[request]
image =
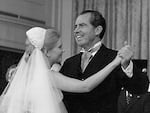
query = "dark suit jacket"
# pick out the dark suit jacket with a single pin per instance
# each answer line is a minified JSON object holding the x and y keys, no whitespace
{"x":138,"y":103}
{"x":103,"y":99}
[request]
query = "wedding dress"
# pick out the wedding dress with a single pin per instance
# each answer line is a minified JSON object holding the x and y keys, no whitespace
{"x":32,"y":88}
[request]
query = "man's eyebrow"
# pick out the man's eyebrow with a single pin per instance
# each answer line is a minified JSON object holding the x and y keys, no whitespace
{"x":81,"y":24}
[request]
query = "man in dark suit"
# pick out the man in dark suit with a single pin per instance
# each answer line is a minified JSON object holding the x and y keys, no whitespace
{"x":89,"y":30}
{"x":135,"y":104}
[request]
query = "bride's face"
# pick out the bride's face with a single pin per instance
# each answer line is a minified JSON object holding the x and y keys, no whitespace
{"x":55,"y":54}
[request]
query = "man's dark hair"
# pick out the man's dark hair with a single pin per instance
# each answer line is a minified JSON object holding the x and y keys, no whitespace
{"x":96,"y":20}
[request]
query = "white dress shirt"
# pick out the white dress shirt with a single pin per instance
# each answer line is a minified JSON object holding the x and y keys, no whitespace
{"x":128,"y":70}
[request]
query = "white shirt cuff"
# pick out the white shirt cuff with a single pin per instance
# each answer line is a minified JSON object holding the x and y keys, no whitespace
{"x":129,"y":70}
{"x":149,"y":88}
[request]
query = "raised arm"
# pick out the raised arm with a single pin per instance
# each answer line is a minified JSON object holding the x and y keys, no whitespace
{"x":74,"y":85}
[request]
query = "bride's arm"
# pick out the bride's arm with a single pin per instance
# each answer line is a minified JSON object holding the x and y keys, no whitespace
{"x":74,"y":85}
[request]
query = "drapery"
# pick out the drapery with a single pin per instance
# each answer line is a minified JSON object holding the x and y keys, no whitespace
{"x":127,"y":20}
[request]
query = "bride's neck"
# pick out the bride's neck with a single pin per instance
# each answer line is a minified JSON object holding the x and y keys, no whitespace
{"x":49,"y":63}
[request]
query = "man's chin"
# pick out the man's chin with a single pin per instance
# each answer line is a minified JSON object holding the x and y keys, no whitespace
{"x":81,"y":44}
{"x":59,"y":61}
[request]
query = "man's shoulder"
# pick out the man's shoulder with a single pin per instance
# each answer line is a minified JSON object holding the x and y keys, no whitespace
{"x":74,"y":57}
{"x":106,"y":50}
{"x":70,"y":64}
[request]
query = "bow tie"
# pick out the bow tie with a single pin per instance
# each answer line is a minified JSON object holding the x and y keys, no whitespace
{"x":91,"y":50}
{"x":87,"y":56}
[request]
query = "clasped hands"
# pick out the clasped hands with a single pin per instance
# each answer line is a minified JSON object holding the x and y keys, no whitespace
{"x":124,"y":55}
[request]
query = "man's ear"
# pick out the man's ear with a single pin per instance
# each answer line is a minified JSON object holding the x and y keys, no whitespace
{"x":98,"y":30}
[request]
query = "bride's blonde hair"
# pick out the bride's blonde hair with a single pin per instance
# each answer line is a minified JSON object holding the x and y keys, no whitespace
{"x":51,"y":38}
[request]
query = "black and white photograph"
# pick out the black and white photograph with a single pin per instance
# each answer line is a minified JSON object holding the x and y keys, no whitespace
{"x":74,"y":56}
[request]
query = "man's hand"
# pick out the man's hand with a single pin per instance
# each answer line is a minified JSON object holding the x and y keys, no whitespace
{"x":11,"y":70}
{"x":56,"y":67}
{"x":126,"y":54}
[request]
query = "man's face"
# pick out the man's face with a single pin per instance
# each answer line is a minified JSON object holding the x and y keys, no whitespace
{"x":84,"y":32}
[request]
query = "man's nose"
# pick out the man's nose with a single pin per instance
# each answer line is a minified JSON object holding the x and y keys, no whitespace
{"x":62,"y":50}
{"x":77,"y":29}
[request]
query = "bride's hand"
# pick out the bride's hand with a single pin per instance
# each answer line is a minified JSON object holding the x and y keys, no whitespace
{"x":126,"y":53}
{"x":117,"y":60}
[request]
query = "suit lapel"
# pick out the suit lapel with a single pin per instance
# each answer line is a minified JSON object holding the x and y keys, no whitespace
{"x":78,"y":62}
{"x":97,"y":61}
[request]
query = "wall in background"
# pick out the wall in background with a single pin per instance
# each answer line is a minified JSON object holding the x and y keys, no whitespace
{"x":59,"y":15}
{"x":16,"y":16}
{"x":30,"y":8}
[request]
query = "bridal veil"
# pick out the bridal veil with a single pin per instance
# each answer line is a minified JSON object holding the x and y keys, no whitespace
{"x":32,"y":88}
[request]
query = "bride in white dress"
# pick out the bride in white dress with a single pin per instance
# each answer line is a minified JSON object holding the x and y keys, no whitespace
{"x":34,"y":88}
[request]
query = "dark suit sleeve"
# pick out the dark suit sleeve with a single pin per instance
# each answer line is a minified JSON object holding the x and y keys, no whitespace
{"x":137,"y":84}
{"x":147,"y":103}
